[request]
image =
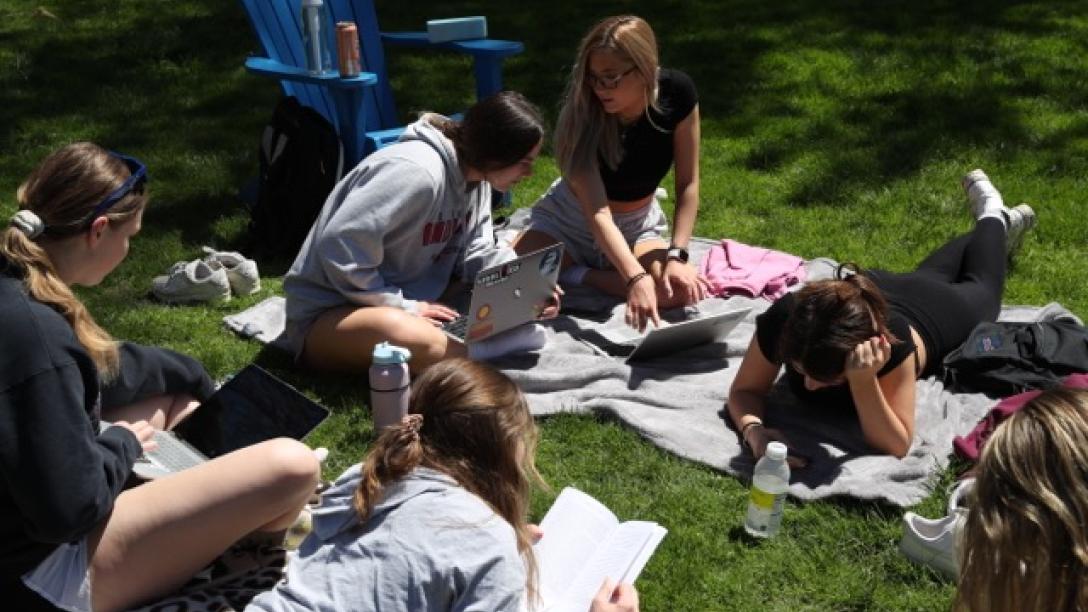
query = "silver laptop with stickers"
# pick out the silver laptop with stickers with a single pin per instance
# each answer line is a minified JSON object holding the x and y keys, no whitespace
{"x":508,"y":295}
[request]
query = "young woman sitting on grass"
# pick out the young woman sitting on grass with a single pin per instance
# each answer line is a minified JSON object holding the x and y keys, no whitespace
{"x":625,"y":122}
{"x":863,"y":339}
{"x":434,"y":517}
{"x":1024,"y":545}
{"x":397,"y":228}
{"x":71,"y":537}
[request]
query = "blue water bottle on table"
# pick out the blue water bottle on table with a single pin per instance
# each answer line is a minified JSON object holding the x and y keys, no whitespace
{"x":389,"y":385}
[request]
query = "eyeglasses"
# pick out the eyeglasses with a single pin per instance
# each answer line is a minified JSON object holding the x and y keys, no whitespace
{"x":138,"y":175}
{"x":607,"y":82}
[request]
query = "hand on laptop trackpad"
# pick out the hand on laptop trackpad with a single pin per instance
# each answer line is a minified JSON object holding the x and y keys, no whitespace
{"x":627,"y":335}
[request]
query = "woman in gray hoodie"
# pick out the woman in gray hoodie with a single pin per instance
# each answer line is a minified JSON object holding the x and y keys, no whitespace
{"x":398,"y":227}
{"x":434,"y":519}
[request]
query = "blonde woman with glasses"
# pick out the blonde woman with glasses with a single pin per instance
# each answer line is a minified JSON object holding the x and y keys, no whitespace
{"x":1025,"y":543}
{"x":624,"y":124}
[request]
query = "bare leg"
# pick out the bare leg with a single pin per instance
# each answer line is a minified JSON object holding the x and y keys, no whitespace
{"x":344,"y":338}
{"x":164,"y":531}
{"x":651,"y":254}
{"x":532,"y":240}
{"x":162,"y":411}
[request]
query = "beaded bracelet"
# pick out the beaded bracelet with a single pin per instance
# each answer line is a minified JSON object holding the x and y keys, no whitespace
{"x":636,"y":278}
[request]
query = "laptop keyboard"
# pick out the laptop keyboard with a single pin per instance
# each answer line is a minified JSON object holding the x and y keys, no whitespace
{"x":457,"y":327}
{"x":171,"y":454}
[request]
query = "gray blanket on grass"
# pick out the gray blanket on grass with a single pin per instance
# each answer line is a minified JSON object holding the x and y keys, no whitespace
{"x":677,"y":402}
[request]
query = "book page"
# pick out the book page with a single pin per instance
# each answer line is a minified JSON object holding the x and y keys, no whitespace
{"x":657,"y":533}
{"x":574,"y":527}
{"x":621,"y":558}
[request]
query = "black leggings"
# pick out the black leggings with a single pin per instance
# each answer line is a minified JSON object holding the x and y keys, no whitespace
{"x":954,"y":289}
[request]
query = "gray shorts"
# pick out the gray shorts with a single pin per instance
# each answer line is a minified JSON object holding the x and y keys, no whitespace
{"x":64,"y":577}
{"x":558,"y":214}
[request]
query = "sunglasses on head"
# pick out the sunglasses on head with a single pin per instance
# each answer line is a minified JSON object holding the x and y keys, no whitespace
{"x":138,"y":175}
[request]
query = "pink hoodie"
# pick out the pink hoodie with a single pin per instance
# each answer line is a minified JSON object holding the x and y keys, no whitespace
{"x":734,"y":267}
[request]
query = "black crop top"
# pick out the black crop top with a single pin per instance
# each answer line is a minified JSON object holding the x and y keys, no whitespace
{"x":648,"y":150}
{"x":769,"y":331}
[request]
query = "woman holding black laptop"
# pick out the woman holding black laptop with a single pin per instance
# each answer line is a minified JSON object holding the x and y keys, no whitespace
{"x":71,"y":536}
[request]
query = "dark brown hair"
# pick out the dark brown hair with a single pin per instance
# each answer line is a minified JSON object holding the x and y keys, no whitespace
{"x":497,"y":132}
{"x":829,"y":319}
{"x":476,"y":427}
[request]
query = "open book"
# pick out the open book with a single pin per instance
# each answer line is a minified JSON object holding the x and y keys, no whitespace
{"x":583,"y":544}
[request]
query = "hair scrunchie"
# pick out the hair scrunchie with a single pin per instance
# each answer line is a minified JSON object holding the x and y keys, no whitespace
{"x":29,"y":223}
{"x":412,"y":422}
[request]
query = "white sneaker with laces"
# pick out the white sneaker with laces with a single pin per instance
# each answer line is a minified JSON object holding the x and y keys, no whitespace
{"x":193,"y":281}
{"x":1021,"y":219}
{"x":933,"y":542}
{"x":241,"y":272}
{"x":985,"y":199}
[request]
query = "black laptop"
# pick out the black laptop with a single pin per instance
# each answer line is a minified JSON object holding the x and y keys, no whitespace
{"x":251,"y":407}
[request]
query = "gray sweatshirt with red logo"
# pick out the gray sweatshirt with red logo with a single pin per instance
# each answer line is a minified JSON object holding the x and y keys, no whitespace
{"x":393,"y":231}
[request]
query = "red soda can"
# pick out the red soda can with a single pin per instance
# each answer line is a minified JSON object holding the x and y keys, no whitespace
{"x":347,"y":48}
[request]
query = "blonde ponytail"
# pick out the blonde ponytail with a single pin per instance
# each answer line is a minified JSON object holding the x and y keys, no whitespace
{"x":45,"y":286}
{"x":63,"y":192}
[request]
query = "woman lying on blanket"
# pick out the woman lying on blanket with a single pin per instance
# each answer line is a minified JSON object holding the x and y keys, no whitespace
{"x":865,"y":338}
{"x":625,"y":121}
{"x":1024,"y":545}
{"x":434,"y":517}
{"x":395,"y":230}
{"x":71,"y":537}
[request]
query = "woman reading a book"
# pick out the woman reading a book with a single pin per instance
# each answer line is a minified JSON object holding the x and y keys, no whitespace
{"x":863,"y":339}
{"x":434,"y":518}
{"x":72,"y":536}
{"x":1024,"y":544}
{"x":398,"y":227}
{"x":625,"y":122}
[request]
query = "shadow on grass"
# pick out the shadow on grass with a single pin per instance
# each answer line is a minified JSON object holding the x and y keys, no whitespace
{"x":173,"y":79}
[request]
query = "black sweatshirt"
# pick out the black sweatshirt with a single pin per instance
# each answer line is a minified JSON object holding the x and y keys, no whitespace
{"x":60,"y":475}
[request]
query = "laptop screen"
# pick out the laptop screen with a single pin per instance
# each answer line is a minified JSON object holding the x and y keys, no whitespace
{"x":251,"y":407}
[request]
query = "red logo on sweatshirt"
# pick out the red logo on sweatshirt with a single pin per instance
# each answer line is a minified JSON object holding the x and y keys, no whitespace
{"x":436,"y":232}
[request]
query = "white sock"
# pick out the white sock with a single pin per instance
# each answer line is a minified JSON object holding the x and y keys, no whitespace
{"x":1000,"y":214}
{"x":573,"y":274}
{"x":528,"y":337}
{"x":984,"y":192}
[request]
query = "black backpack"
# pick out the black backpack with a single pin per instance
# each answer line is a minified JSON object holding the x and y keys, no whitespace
{"x":301,"y":160}
{"x":1001,"y":359}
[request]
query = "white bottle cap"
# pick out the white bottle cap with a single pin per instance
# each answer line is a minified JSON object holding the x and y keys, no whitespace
{"x":776,"y":451}
{"x":307,"y":3}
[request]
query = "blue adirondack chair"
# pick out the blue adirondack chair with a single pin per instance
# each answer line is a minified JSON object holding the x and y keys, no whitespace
{"x":360,"y":107}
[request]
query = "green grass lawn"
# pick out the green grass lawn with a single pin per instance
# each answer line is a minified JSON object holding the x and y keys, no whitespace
{"x":829,"y":128}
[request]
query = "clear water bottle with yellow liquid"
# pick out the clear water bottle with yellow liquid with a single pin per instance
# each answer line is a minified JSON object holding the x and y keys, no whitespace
{"x":767,"y":500}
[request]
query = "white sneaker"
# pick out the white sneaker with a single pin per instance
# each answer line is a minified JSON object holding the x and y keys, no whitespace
{"x":528,"y":337}
{"x":985,"y":199}
{"x":957,"y":499}
{"x":241,"y":272}
{"x":193,"y":281}
{"x":933,"y":542}
{"x":1021,"y":218}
